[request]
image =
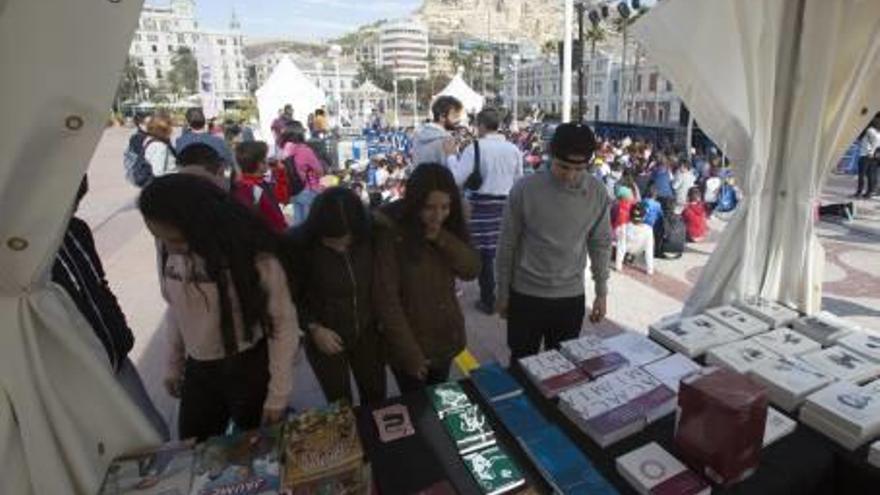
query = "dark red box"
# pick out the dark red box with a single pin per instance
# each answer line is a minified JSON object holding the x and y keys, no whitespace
{"x":720,"y":426}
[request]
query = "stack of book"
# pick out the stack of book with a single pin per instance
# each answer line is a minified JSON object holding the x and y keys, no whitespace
{"x":552,"y":373}
{"x":789,"y":381}
{"x":867,"y":344}
{"x":592,"y":356}
{"x":562,"y":464}
{"x":494,"y":382}
{"x":847,"y":413}
{"x":787,"y":342}
{"x":247,"y":463}
{"x":778,"y":425}
{"x":740,"y":356}
{"x":671,"y":370}
{"x":617,"y":405}
{"x":323,"y":453}
{"x":739,"y":320}
{"x":771,"y":312}
{"x":653,"y":471}
{"x":843,"y":364}
{"x":824,"y":328}
{"x":448,"y":398}
{"x":494,"y":471}
{"x":874,"y":454}
{"x":469,"y":429}
{"x":638,"y":350}
{"x":693,"y":336}
{"x":166,"y":470}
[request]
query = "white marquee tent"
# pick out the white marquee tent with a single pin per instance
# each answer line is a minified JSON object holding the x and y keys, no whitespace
{"x":472,"y":101}
{"x":287,"y":85}
{"x":785,"y":86}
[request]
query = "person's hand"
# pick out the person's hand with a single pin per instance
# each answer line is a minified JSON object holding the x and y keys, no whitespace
{"x":173,"y":386}
{"x":272,"y":416}
{"x":600,"y":307}
{"x":501,"y":309}
{"x":450,"y":147}
{"x":327,"y":341}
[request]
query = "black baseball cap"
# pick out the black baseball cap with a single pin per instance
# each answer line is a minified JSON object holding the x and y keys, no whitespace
{"x":571,"y":142}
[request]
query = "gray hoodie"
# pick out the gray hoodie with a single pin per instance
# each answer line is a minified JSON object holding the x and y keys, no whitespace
{"x":428,"y":144}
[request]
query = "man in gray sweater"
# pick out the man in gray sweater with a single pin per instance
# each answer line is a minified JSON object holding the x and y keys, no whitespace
{"x":429,"y":138}
{"x":552,"y":221}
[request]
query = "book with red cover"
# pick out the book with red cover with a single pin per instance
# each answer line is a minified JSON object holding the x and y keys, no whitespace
{"x":720,"y":427}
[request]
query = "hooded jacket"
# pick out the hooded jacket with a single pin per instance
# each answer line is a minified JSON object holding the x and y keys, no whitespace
{"x":428,"y":144}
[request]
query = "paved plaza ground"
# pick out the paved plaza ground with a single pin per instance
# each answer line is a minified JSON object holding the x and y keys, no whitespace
{"x":851,"y":286}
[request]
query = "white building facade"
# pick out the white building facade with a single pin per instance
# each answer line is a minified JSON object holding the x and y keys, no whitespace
{"x":162,"y":30}
{"x":403,"y":48}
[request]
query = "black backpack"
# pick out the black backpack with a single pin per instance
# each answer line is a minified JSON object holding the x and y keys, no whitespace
{"x":137,"y":169}
{"x":475,"y":180}
{"x":295,"y":184}
{"x":674,"y":236}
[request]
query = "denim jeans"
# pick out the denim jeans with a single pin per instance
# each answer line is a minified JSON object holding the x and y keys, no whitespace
{"x":302,"y":203}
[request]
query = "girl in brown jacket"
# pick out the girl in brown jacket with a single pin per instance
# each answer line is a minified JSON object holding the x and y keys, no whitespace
{"x":419,"y":255}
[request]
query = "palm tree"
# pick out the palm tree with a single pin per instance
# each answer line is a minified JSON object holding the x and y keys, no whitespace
{"x":595,"y":35}
{"x":621,"y":25}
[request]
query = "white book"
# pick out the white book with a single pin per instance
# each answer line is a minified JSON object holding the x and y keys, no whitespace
{"x":843,"y":364}
{"x":699,"y":333}
{"x":874,"y":454}
{"x":824,"y":329}
{"x":637,"y":349}
{"x":852,"y":408}
{"x":744,"y":323}
{"x":552,"y":372}
{"x":584,"y":348}
{"x":787,"y":342}
{"x":789,"y":381}
{"x":865,"y":343}
{"x":771,"y":312}
{"x":608,"y":392}
{"x":740,"y":356}
{"x":672,"y":369}
{"x":778,"y":425}
{"x":651,"y":469}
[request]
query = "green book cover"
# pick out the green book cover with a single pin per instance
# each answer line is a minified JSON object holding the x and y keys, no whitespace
{"x":448,"y":397}
{"x":469,"y":429}
{"x":494,"y":471}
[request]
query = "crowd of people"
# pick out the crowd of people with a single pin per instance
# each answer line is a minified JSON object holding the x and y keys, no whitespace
{"x":263,"y":249}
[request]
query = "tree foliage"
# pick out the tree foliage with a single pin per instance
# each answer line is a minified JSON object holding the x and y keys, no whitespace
{"x":183,"y":79}
{"x":380,"y":76}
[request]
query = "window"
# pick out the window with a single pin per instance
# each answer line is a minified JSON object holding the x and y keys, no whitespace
{"x":221,"y":42}
{"x":668,"y":86}
{"x":652,"y":83}
{"x":639,"y":83}
{"x":181,"y":38}
{"x":155,"y":49}
{"x":597,"y":87}
{"x":222,"y":52}
{"x":170,"y":48}
{"x":165,"y":27}
{"x":158,"y":73}
{"x":152,"y":38}
{"x":614,"y":87}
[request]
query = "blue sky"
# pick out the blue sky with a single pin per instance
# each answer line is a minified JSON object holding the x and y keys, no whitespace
{"x":311,"y":20}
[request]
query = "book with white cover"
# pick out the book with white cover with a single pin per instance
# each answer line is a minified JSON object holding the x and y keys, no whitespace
{"x":740,"y":356}
{"x":789,"y":381}
{"x":778,"y":425}
{"x":552,"y":372}
{"x":787,"y":342}
{"x":613,"y":390}
{"x":874,"y":454}
{"x":845,"y":412}
{"x":771,"y":312}
{"x":637,"y":349}
{"x":737,"y":319}
{"x":822,"y":328}
{"x":652,"y":470}
{"x":843,"y":364}
{"x":592,"y":355}
{"x":672,"y":369}
{"x":866,"y":344}
{"x":699,"y":333}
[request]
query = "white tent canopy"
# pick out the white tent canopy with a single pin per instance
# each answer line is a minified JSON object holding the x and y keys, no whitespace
{"x":62,"y":415}
{"x":785,"y":86}
{"x":287,"y":85}
{"x":472,"y":101}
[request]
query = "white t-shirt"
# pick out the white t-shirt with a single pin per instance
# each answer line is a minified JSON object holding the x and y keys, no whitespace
{"x":713,"y":185}
{"x":635,"y":239}
{"x":160,"y":158}
{"x":870,"y":142}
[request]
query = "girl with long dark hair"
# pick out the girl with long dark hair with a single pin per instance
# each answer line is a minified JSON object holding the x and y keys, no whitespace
{"x":423,"y":249}
{"x":335,"y":261}
{"x":232,"y":323}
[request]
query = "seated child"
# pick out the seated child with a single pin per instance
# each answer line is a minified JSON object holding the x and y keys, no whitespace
{"x":634,"y":239}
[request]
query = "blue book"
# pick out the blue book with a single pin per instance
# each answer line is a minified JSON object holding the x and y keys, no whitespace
{"x":494,"y":382}
{"x":563,"y":465}
{"x":520,"y":417}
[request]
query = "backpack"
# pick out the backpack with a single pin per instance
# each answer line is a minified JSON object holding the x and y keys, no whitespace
{"x":726,"y":199}
{"x":475,"y":180}
{"x":137,"y":169}
{"x":674,"y":235}
{"x":295,"y":183}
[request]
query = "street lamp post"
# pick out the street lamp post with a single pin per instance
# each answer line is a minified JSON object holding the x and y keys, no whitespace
{"x":336,"y":53}
{"x":566,"y":61}
{"x":514,"y":122}
{"x":580,"y":11}
{"x":396,"y":104}
{"x":415,"y":103}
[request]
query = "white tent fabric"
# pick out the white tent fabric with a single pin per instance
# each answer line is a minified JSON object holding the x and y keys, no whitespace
{"x":472,"y":101}
{"x":785,"y":85}
{"x":62,"y":415}
{"x":287,"y":85}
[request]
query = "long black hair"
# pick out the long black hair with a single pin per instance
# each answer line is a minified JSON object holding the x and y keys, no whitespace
{"x":425,"y":179}
{"x":227,"y":235}
{"x":335,"y":212}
